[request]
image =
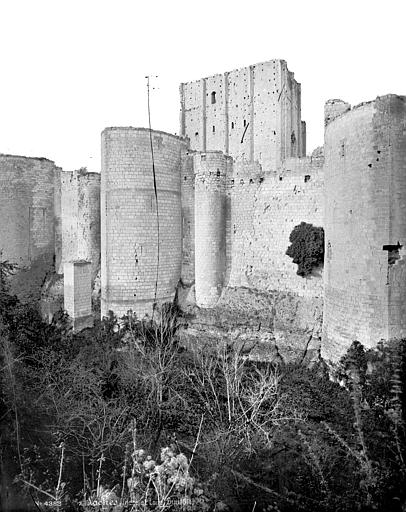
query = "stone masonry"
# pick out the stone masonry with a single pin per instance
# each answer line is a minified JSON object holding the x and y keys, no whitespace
{"x":78,"y":293}
{"x":365,"y":223}
{"x":211,"y":212}
{"x":80,"y":212}
{"x":141,"y":252}
{"x":252,"y":114}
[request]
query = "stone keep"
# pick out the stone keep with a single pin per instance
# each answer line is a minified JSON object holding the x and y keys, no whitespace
{"x":365,"y":226}
{"x":252,"y":114}
{"x":130,"y":233}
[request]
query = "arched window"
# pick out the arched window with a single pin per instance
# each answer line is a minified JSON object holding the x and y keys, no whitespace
{"x":213,"y":97}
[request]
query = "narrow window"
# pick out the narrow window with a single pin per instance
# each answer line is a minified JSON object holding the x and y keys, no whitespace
{"x":214,"y":129}
{"x":342,"y":149}
{"x":245,"y":122}
{"x":213,"y":97}
{"x":329,"y":250}
{"x":232,"y":125}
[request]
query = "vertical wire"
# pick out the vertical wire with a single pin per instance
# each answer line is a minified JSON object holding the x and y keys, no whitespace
{"x":156,"y":198}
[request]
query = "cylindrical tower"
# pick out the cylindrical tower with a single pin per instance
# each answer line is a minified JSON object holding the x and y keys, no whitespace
{"x":129,"y":223}
{"x":27,"y":210}
{"x":210,"y":225}
{"x":81,"y":218}
{"x":365,"y":226}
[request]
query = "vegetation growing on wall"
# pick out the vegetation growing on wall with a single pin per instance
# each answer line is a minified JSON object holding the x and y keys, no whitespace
{"x":307,"y":248}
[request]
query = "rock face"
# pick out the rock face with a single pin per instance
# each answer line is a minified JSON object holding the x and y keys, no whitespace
{"x":269,"y":326}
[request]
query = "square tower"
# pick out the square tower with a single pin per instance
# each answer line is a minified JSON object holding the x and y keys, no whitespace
{"x":252,"y":114}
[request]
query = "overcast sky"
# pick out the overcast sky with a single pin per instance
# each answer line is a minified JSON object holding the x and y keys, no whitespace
{"x":70,"y":68}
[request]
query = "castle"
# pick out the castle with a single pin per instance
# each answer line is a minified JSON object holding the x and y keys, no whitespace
{"x":217,"y":212}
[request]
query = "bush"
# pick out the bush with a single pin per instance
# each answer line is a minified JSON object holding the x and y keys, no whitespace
{"x":77,"y":408}
{"x":307,"y":248}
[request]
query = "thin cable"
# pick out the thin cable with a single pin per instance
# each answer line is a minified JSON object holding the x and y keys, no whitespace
{"x":156,"y":199}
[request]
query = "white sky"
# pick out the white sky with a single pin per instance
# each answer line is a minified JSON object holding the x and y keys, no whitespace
{"x":70,"y":68}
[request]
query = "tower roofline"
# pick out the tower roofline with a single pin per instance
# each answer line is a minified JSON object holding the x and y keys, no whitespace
{"x":237,"y":69}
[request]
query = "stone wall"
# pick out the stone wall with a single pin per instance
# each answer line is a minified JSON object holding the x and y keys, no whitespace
{"x":365,"y":277}
{"x":265,"y":209}
{"x":252,"y":114}
{"x":129,"y":226}
{"x":27,"y":208}
{"x":28,"y":213}
{"x":333,"y":109}
{"x":81,"y":218}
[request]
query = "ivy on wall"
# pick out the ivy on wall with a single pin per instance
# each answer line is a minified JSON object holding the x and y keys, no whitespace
{"x":307,"y":248}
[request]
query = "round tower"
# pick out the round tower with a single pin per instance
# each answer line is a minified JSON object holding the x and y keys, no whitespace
{"x":132,"y":238}
{"x":27,"y":209}
{"x":365,"y":226}
{"x":210,"y":225}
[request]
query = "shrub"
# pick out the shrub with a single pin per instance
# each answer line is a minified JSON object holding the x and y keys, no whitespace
{"x":307,"y":248}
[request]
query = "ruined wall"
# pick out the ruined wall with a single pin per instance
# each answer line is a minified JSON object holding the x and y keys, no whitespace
{"x":27,"y":209}
{"x":129,"y":228}
{"x":211,"y":171}
{"x":365,"y":175}
{"x":27,"y":212}
{"x":80,"y":207}
{"x":333,"y":109}
{"x":265,"y":209}
{"x":252,"y":114}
